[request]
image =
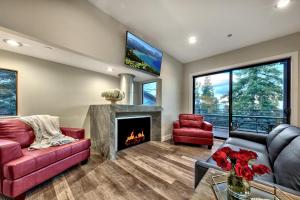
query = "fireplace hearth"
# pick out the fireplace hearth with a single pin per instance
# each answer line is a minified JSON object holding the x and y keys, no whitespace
{"x":132,"y":131}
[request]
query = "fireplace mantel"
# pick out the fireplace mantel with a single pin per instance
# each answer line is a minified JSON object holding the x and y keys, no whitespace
{"x":103,"y":117}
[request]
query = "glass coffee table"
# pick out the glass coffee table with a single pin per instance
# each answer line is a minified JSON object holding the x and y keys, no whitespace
{"x":213,"y":186}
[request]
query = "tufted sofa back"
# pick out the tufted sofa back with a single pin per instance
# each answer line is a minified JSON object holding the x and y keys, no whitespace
{"x":283,"y":145}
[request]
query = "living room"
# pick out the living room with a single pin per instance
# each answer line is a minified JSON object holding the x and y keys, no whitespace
{"x":221,"y":74}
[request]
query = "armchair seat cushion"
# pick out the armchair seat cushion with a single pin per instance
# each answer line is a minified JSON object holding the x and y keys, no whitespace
{"x":192,"y":132}
{"x":37,"y":159}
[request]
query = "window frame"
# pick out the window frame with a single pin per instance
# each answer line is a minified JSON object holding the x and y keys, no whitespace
{"x":286,"y":85}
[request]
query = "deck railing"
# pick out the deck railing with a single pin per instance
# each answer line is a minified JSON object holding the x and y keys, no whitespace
{"x":252,"y":121}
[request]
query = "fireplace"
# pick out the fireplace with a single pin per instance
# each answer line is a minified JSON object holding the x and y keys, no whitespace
{"x":132,"y":131}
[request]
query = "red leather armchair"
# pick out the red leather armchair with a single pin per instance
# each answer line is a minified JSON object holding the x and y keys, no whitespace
{"x":21,"y":170}
{"x":193,"y":129}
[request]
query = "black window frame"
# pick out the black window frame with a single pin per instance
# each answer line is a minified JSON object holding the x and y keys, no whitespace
{"x":286,"y":92}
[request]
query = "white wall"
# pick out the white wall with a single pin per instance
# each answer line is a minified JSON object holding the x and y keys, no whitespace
{"x":288,"y":46}
{"x":81,"y":27}
{"x":50,"y":88}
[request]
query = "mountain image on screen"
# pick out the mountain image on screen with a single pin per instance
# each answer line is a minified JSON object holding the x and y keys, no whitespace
{"x":141,"y":55}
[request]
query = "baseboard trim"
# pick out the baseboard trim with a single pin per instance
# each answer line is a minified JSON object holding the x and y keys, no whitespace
{"x":166,"y":137}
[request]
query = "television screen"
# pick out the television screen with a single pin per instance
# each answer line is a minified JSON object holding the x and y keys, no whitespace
{"x":140,"y":55}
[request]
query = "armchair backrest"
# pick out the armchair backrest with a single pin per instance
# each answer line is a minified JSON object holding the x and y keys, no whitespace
{"x":18,"y":131}
{"x":190,"y":120}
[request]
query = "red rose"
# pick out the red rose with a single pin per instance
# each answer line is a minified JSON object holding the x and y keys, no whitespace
{"x":248,"y":174}
{"x":260,"y":169}
{"x":238,"y":169}
{"x":219,"y":155}
{"x":226,"y":150}
{"x":225,"y":165}
{"x":221,"y":159}
{"x":233,"y":155}
{"x":246,"y":155}
{"x":243,"y":170}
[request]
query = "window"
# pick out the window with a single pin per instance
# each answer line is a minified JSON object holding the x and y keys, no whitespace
{"x":211,"y":101}
{"x":8,"y":92}
{"x":149,"y":93}
{"x":252,"y":98}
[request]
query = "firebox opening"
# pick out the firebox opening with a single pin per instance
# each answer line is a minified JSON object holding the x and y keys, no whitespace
{"x":132,"y":131}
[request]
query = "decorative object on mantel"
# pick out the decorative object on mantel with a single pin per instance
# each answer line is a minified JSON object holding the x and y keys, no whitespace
{"x":241,"y":168}
{"x":113,"y":95}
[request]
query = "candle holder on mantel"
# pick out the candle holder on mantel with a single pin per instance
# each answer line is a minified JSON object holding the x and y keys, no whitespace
{"x":113,"y":95}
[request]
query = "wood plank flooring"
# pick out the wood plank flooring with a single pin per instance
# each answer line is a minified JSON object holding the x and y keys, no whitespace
{"x":153,"y":170}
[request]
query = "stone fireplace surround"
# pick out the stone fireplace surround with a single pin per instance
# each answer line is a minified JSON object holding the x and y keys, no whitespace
{"x":103,"y":124}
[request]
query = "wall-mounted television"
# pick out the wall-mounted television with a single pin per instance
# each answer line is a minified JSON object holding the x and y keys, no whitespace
{"x":142,"y":56}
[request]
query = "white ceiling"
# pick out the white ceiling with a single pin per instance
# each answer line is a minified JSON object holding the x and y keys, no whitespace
{"x":169,"y":23}
{"x":42,"y":50}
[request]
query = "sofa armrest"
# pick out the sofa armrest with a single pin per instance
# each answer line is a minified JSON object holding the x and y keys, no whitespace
{"x":176,"y":124}
{"x":201,"y":168}
{"x":9,"y":150}
{"x":255,"y":137}
{"x":77,"y":133}
{"x":207,"y":126}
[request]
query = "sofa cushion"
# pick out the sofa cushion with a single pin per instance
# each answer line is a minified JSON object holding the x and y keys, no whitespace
{"x":281,"y":140}
{"x":254,"y":146}
{"x":18,"y":131}
{"x":275,"y":132}
{"x":261,"y":159}
{"x":286,"y":166}
{"x":37,"y":159}
{"x":192,"y":132}
{"x":190,"y":120}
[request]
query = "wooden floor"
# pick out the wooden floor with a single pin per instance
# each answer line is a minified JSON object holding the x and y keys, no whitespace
{"x":153,"y":170}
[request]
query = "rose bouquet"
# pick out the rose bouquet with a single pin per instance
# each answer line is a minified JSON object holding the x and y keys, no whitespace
{"x":242,"y":169}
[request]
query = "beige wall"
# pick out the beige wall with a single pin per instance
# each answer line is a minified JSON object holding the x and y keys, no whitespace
{"x":278,"y":48}
{"x":51,"y":88}
{"x":79,"y":26}
{"x":171,"y":93}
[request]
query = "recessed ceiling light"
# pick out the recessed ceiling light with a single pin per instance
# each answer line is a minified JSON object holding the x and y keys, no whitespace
{"x":13,"y":43}
{"x":192,"y":39}
{"x":229,"y":35}
{"x":109,"y":69}
{"x":282,"y":3}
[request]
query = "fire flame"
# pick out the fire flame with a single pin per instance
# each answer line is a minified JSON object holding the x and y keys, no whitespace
{"x":135,"y":139}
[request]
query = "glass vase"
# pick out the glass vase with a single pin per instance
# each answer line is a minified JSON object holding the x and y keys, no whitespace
{"x":238,"y":188}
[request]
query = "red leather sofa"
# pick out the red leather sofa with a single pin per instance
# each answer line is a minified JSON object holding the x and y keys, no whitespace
{"x":21,"y":170}
{"x":193,"y":129}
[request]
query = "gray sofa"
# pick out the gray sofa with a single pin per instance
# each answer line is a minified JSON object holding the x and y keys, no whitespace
{"x":279,"y":150}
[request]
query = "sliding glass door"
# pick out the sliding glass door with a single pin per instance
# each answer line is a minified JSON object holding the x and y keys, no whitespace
{"x":259,"y":97}
{"x":211,"y":100}
{"x":252,"y":98}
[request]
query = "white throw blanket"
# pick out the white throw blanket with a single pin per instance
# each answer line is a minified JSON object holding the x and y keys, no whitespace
{"x":47,"y":132}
